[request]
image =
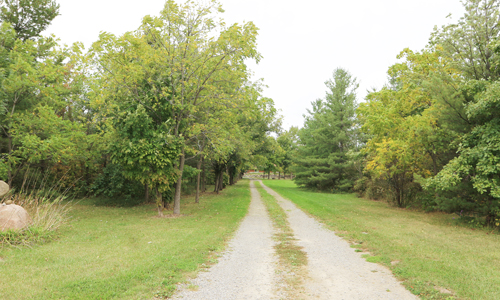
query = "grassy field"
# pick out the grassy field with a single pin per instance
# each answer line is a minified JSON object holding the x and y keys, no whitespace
{"x":123,"y":253}
{"x":427,"y":250}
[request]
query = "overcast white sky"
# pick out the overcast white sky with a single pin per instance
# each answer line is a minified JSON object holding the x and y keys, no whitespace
{"x":302,"y":42}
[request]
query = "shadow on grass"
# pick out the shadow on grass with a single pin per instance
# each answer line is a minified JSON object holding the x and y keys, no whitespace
{"x":128,"y":201}
{"x":112,"y":202}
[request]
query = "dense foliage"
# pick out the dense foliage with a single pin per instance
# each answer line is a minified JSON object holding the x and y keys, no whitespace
{"x":137,"y":115}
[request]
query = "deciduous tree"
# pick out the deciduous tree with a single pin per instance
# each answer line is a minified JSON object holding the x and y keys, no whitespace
{"x":28,"y":17}
{"x":185,"y":68}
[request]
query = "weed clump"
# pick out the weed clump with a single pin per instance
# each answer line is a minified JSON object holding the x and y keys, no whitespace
{"x":48,"y":207}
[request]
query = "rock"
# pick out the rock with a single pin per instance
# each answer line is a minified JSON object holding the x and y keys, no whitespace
{"x":9,"y":202}
{"x":13,"y":217}
{"x":4,"y":188}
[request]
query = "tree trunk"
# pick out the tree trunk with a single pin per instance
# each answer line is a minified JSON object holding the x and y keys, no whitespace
{"x":9,"y":171}
{"x":216,"y":180}
{"x":197,"y":200}
{"x":178,"y":185}
{"x":146,"y":193}
{"x":221,"y":181}
{"x":159,"y":203}
{"x":88,"y":176}
{"x":203,"y":176}
{"x":269,"y":175}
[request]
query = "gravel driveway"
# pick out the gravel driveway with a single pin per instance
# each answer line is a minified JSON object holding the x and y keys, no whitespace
{"x":336,"y":271}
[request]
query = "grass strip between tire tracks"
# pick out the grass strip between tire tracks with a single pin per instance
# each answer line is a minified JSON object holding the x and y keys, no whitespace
{"x":124,"y":253}
{"x":436,"y":258}
{"x":292,"y":259}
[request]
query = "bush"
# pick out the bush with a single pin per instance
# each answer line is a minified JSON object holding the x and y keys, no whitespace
{"x":370,"y":188}
{"x":426,"y":201}
{"x":112,"y":184}
{"x":463,"y":199}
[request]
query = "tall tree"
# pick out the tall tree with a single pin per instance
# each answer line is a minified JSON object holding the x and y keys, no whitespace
{"x":205,"y":61}
{"x":467,"y":42}
{"x":437,"y":126}
{"x":38,"y":79}
{"x":28,"y":17}
{"x":288,"y":143}
{"x":187,"y":60}
{"x":470,"y":181}
{"x":272,"y":155}
{"x":329,"y":132}
{"x":413,"y":127}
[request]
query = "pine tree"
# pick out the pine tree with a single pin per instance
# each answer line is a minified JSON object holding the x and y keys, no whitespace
{"x":329,"y":132}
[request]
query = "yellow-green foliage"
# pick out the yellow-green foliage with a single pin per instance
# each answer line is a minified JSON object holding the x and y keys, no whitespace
{"x":409,"y":123}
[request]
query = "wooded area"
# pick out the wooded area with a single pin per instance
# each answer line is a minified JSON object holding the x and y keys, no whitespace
{"x":430,"y":138}
{"x":171,"y":103}
{"x":137,"y":114}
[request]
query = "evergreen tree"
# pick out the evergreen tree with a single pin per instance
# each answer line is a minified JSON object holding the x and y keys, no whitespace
{"x":329,"y":132}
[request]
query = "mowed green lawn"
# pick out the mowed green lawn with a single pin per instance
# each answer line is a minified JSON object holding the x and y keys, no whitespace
{"x":123,"y":253}
{"x":432,"y":250}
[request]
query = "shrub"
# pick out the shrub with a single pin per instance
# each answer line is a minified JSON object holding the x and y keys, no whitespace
{"x":111,"y":183}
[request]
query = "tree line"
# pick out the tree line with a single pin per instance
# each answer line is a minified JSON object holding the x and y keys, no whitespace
{"x":140,"y":114}
{"x":430,"y":138}
{"x":171,"y":105}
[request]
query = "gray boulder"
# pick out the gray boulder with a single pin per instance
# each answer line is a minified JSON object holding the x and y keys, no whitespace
{"x":13,"y":217}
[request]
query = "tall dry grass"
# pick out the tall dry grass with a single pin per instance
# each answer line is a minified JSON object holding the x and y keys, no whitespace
{"x":48,"y":204}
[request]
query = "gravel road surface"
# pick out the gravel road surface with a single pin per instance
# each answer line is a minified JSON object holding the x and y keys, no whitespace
{"x":336,"y":271}
{"x":247,"y":270}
